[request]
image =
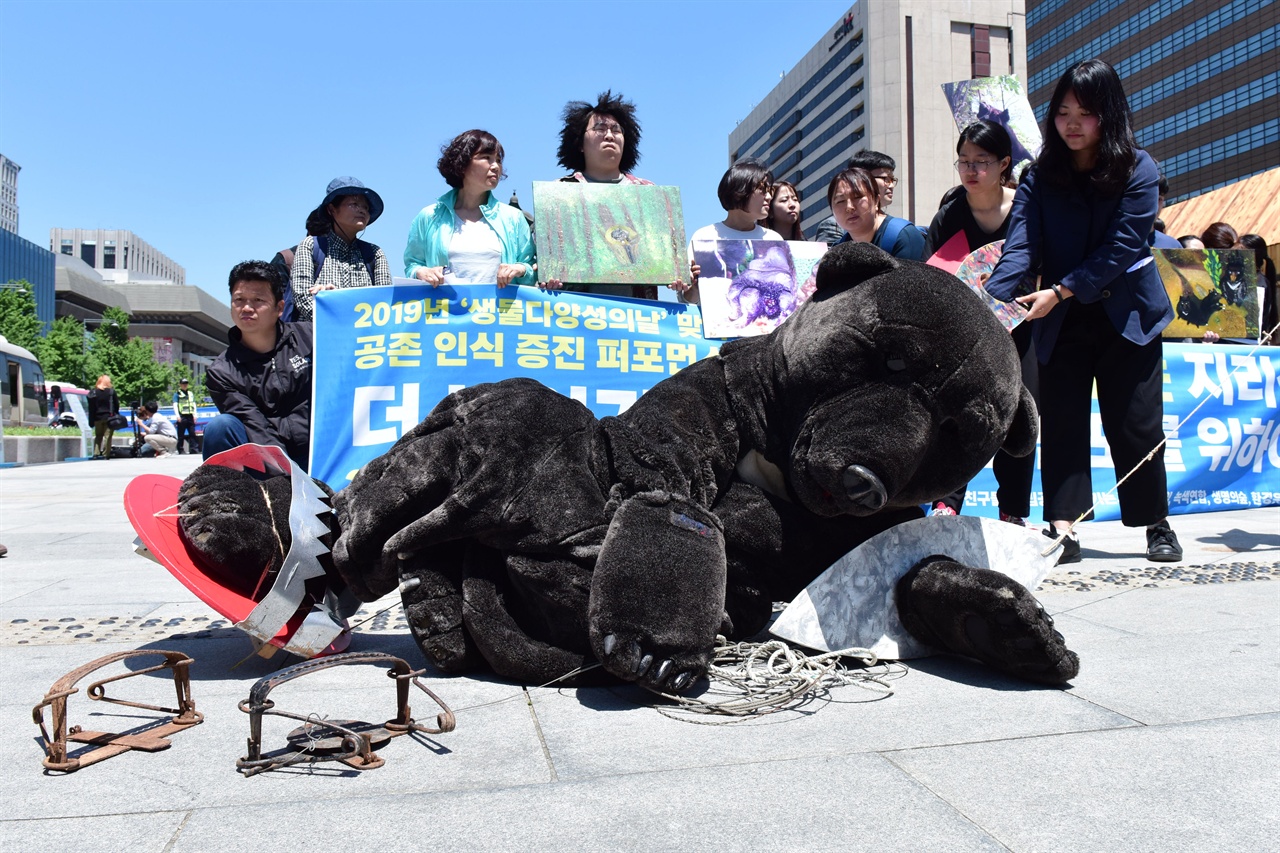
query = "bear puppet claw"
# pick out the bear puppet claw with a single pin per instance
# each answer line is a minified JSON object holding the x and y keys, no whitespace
{"x":658,"y":592}
{"x":983,"y":614}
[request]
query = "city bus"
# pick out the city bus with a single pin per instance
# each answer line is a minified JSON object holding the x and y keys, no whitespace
{"x":23,"y":400}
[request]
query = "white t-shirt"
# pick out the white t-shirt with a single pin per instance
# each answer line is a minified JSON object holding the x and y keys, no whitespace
{"x":720,"y":231}
{"x":474,"y":254}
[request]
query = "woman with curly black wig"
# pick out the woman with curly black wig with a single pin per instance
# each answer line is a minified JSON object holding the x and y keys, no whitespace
{"x":1079,"y":225}
{"x":467,"y":236}
{"x":600,"y":142}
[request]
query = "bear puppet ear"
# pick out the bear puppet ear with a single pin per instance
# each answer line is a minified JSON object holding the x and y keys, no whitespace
{"x":1021,"y":439}
{"x":847,"y":264}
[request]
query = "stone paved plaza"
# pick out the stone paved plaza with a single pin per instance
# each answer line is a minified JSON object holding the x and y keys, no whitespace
{"x":1168,"y":740}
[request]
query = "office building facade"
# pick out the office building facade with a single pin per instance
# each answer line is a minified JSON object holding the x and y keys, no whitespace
{"x":1202,"y":77}
{"x":120,"y":257}
{"x":875,"y":81}
{"x":9,"y":194}
{"x":21,"y":260}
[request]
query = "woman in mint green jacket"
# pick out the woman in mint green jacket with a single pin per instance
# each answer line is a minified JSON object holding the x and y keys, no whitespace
{"x":467,"y":236}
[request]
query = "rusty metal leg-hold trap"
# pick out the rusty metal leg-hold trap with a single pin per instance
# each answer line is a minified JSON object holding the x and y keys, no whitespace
{"x":150,"y":738}
{"x":349,"y":741}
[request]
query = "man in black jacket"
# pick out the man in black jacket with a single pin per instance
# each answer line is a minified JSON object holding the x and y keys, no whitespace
{"x":262,"y":383}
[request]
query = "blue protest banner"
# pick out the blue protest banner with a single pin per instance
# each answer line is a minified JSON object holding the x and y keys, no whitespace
{"x":384,"y":356}
{"x":1223,"y":455}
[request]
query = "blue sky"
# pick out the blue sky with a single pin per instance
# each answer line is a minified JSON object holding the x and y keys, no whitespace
{"x":211,"y":129}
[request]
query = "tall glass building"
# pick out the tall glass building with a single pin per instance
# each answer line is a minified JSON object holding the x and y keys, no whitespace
{"x":1202,"y":76}
{"x":874,"y":80}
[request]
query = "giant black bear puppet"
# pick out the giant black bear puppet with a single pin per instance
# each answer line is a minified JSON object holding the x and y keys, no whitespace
{"x":542,"y":537}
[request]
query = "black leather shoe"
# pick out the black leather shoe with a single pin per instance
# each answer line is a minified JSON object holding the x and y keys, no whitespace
{"x":1162,"y":544}
{"x":1070,"y":547}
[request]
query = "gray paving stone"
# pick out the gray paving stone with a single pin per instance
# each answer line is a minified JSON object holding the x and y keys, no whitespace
{"x":850,"y":803}
{"x":939,"y":701}
{"x":120,"y":833}
{"x":590,"y":768}
{"x":1209,"y":785}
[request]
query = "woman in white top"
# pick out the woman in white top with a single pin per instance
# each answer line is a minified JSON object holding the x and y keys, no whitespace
{"x":467,"y":236}
{"x":744,"y":194}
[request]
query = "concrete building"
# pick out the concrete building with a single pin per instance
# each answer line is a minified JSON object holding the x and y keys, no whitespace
{"x":9,"y":194}
{"x":120,"y":257}
{"x":874,"y":81}
{"x":182,"y":323}
{"x":1202,"y":77}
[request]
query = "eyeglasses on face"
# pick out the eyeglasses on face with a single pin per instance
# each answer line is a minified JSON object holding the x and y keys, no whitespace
{"x":974,"y":165}
{"x":887,"y":180}
{"x":605,"y":127}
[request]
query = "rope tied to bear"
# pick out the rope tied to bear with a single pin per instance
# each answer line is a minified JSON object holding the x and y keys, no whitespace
{"x":752,"y":679}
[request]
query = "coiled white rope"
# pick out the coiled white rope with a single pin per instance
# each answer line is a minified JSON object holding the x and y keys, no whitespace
{"x":749,"y":680}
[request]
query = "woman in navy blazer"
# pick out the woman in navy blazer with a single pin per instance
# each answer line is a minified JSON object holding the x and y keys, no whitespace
{"x":1078,"y":258}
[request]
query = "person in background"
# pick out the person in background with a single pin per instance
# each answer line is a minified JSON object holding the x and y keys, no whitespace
{"x":854,"y":201}
{"x":103,"y":404}
{"x":981,"y":213}
{"x":881,"y":167}
{"x":1159,"y":239}
{"x":184,"y":409}
{"x":261,"y":384}
{"x":743,"y":191}
{"x":896,"y":236}
{"x":158,"y":432}
{"x":348,"y":208}
{"x":1078,"y":231}
{"x":1219,"y":235}
{"x":784,"y":211}
{"x":1190,"y":241}
{"x":1269,"y":314}
{"x":467,"y":236}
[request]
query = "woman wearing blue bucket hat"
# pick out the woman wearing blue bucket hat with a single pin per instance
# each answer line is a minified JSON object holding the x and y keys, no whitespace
{"x":331,"y":256}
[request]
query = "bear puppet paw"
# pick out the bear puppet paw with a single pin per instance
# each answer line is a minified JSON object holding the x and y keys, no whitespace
{"x":658,"y":592}
{"x":986,"y":615}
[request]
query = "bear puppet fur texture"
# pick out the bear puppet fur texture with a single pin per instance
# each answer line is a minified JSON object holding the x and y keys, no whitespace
{"x":542,"y":538}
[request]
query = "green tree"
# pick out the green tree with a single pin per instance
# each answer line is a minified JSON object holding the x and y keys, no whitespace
{"x":18,"y":320}
{"x":62,"y":352}
{"x":131,"y":364}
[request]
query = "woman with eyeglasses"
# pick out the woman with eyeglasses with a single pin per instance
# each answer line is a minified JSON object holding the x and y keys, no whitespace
{"x":744,"y":194}
{"x":1077,"y":257}
{"x":600,"y":144}
{"x":980,"y":211}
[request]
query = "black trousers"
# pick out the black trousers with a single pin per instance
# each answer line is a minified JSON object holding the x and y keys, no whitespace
{"x":1014,"y":475}
{"x":187,"y":424}
{"x":1129,"y":379}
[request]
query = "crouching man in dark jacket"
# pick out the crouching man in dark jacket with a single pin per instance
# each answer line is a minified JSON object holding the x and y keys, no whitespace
{"x":262,"y":383}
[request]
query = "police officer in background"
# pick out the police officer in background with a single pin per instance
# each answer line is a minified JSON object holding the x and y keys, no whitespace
{"x":184,"y":408}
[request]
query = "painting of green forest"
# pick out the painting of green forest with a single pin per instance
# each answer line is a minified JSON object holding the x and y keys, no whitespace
{"x":609,"y":234}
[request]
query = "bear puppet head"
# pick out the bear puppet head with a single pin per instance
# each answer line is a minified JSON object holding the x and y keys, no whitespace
{"x":890,"y":388}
